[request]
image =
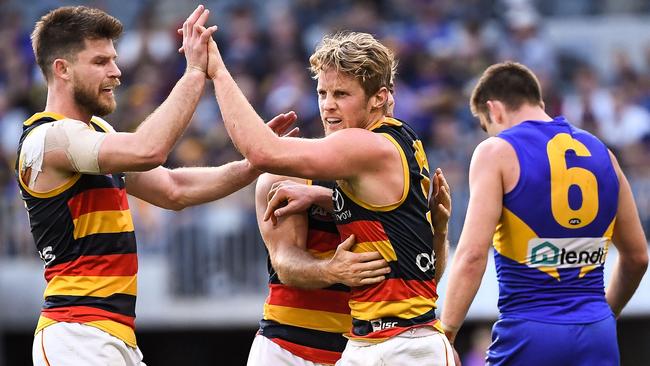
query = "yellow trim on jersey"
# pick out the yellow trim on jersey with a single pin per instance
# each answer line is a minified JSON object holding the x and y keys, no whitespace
{"x":608,"y":235}
{"x":52,"y":192}
{"x":102,"y":222}
{"x":384,"y":248}
{"x":119,"y":330}
{"x":322,"y":255}
{"x":407,"y":309}
{"x":43,"y":323}
{"x":47,"y":194}
{"x":102,"y":124}
{"x":40,"y":115}
{"x":311,"y":319}
{"x":386,"y":121}
{"x":97,"y":286}
{"x":510,"y":239}
{"x":405,"y":190}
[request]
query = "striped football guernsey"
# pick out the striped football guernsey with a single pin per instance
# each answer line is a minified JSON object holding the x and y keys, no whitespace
{"x":310,"y":323}
{"x":556,"y":225}
{"x":403,"y":235}
{"x":84,"y":233}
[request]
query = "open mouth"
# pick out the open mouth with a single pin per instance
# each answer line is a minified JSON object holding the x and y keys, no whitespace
{"x":332,"y":121}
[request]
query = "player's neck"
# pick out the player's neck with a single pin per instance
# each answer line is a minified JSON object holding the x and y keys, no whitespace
{"x":527,"y":113}
{"x":64,"y":104}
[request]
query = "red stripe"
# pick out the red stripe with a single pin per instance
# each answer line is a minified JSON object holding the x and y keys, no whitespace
{"x":316,"y":299}
{"x":47,"y":362}
{"x":85,"y":314}
{"x":99,"y":199}
{"x":363,"y":231}
{"x":395,"y":289}
{"x":308,"y":353}
{"x":322,"y":241}
{"x":96,"y":265}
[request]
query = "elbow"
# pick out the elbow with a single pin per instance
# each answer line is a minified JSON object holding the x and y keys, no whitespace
{"x":260,"y":160}
{"x":154,"y":157}
{"x":176,"y":200}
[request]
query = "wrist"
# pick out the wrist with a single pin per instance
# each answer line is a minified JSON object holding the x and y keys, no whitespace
{"x":195,"y":70}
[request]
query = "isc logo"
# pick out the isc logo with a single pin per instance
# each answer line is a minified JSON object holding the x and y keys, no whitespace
{"x":379,"y":324}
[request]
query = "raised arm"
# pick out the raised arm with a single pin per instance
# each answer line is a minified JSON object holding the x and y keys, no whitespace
{"x":483,"y":212}
{"x":149,"y":145}
{"x":342,"y":155}
{"x":631,"y":243}
{"x":287,"y":245}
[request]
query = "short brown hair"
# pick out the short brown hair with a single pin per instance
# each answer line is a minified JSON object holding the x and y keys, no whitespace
{"x":511,"y":83}
{"x":359,"y":55}
{"x":62,"y":32}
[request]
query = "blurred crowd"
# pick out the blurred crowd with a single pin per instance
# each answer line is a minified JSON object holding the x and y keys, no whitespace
{"x":441,"y":45}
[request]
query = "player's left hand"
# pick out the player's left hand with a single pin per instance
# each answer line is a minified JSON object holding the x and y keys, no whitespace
{"x":288,"y":197}
{"x":281,"y":123}
{"x":439,"y":202}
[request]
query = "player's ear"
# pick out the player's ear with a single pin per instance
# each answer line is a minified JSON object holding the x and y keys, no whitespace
{"x":61,"y":68}
{"x":496,"y":111}
{"x":380,"y":98}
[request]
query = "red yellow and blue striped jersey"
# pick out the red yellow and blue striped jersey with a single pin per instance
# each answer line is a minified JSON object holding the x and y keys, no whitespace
{"x":403,"y":235}
{"x":556,"y":225}
{"x":310,"y":322}
{"x":83,"y":230}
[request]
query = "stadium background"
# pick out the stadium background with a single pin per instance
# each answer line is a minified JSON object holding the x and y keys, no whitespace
{"x":203,"y":270}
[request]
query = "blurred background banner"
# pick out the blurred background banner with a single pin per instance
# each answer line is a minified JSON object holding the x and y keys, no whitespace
{"x":202,"y":278}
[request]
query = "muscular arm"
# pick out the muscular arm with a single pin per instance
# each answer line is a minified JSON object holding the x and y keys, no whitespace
{"x":287,"y":245}
{"x":483,"y":212}
{"x":150,"y":144}
{"x":630,"y":241}
{"x":342,"y":155}
{"x":179,"y":188}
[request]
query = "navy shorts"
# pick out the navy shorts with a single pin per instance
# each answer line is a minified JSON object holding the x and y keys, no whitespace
{"x":529,"y":343}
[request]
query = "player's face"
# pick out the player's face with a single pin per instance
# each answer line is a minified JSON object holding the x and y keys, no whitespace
{"x":95,"y":76}
{"x":342,"y":101}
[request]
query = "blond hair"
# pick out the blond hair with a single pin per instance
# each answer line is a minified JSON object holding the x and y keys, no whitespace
{"x":359,"y":55}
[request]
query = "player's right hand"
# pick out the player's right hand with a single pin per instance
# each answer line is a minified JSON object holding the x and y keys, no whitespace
{"x":196,"y":38}
{"x":357,"y":269}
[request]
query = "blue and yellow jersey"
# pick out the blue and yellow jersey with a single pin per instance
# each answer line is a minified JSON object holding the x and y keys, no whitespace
{"x":556,"y":225}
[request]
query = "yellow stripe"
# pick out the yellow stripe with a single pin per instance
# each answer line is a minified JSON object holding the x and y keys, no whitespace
{"x":40,"y":115}
{"x":43,"y":323}
{"x":383,"y":247}
{"x":101,"y":124}
{"x":98,"y":286}
{"x":322,"y":255}
{"x":608,"y":235}
{"x":102,"y":222}
{"x":405,"y":309}
{"x":405,"y":190}
{"x":119,"y":330}
{"x":511,"y":237}
{"x":386,"y":121}
{"x":113,"y":328}
{"x":311,"y":319}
